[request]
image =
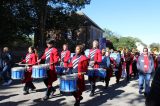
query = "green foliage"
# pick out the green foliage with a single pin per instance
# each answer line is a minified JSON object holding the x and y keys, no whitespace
{"x":118,"y":41}
{"x":155,"y":45}
{"x":28,"y":17}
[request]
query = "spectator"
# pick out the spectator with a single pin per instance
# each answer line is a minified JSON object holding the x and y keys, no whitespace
{"x":145,"y":66}
{"x":153,"y":98}
{"x":7,"y":63}
{"x":1,"y":65}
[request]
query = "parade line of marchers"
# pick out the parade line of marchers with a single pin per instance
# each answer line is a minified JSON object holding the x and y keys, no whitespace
{"x":97,"y":64}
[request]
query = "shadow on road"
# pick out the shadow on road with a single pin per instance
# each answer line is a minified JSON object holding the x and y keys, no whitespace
{"x":6,"y":97}
{"x":13,"y":103}
{"x":105,"y":94}
{"x":139,"y":99}
{"x":58,"y":102}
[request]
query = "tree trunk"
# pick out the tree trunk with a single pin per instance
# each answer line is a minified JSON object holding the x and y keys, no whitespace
{"x":40,"y":35}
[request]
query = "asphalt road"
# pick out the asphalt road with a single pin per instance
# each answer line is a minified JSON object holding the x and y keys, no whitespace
{"x":122,"y":94}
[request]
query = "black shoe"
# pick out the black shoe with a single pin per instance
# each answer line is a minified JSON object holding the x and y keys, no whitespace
{"x":33,"y":89}
{"x":140,"y":92}
{"x":106,"y":86}
{"x":52,"y":92}
{"x":26,"y":92}
{"x":80,"y":98}
{"x":77,"y":103}
{"x":45,"y":98}
{"x":145,"y":95}
{"x":117,"y":81}
{"x":91,"y":94}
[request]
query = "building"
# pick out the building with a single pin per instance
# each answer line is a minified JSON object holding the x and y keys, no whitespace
{"x":89,"y":31}
{"x":81,"y":30}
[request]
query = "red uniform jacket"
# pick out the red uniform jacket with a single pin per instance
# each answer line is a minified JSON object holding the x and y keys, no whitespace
{"x":30,"y":59}
{"x":82,"y":67}
{"x":66,"y":57}
{"x":129,"y":60}
{"x":155,"y":63}
{"x":53,"y":60}
{"x":97,"y":57}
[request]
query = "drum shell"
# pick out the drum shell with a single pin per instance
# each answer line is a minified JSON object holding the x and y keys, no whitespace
{"x":102,"y":73}
{"x":17,"y":72}
{"x":68,"y":83}
{"x":60,"y":70}
{"x":92,"y":72}
{"x":39,"y":71}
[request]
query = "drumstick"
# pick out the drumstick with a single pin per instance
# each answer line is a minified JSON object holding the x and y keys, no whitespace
{"x":25,"y":64}
{"x":51,"y":63}
{"x":82,"y":73}
{"x":37,"y":63}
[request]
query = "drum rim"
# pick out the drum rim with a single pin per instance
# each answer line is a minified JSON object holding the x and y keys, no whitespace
{"x":71,"y":77}
{"x":18,"y":69}
{"x":41,"y":65}
{"x":68,"y":91}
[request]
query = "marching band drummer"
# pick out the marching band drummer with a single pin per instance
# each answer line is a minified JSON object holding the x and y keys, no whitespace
{"x":116,"y":64}
{"x":79,"y":64}
{"x":31,"y":60}
{"x":95,"y":57}
{"x":65,"y":56}
{"x":51,"y":57}
{"x":106,"y":64}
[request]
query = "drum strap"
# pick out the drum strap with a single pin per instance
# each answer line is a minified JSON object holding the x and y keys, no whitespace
{"x":28,"y":57}
{"x":75,"y":63}
{"x":63,"y":55}
{"x":47,"y":53}
{"x":92,"y":54}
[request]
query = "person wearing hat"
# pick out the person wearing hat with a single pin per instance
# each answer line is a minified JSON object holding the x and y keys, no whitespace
{"x":50,"y":57}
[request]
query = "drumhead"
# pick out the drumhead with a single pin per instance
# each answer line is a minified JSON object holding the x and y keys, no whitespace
{"x":69,"y":77}
{"x":18,"y":69}
{"x":90,"y":68}
{"x":41,"y":66}
{"x":101,"y":69}
{"x":115,"y":69}
{"x":36,"y":66}
{"x":58,"y":66}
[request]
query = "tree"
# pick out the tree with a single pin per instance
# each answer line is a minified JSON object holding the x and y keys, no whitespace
{"x":119,"y":41}
{"x":26,"y":17}
{"x":155,"y":47}
{"x":14,"y":25}
{"x":127,"y":42}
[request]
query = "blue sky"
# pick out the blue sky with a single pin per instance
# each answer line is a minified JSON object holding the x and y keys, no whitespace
{"x":137,"y":18}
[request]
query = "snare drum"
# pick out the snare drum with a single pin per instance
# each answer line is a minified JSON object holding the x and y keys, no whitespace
{"x":59,"y":70}
{"x":115,"y":69}
{"x":102,"y":72}
{"x":39,"y":71}
{"x":92,"y":72}
{"x":68,"y":83}
{"x":17,"y":72}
